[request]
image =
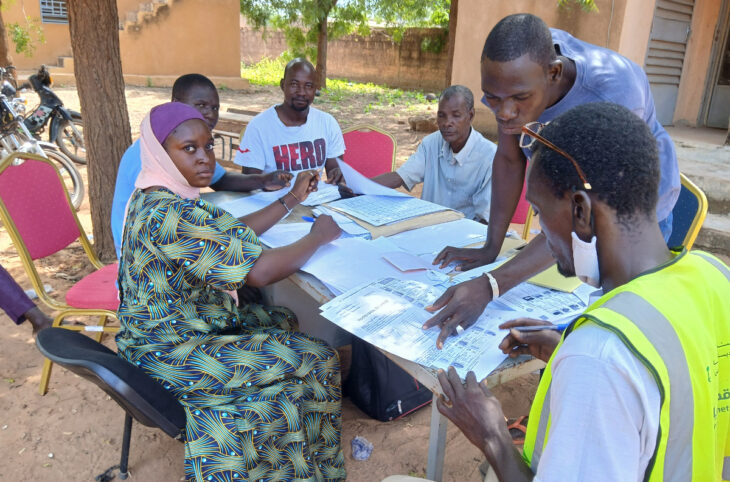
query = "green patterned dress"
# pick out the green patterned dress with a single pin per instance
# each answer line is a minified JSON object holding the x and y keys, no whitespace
{"x":262,"y":402}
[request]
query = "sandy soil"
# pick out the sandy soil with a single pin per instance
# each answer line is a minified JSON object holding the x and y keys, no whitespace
{"x":74,"y":432}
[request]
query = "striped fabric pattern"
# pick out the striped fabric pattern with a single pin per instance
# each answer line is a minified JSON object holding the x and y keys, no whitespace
{"x":262,"y":401}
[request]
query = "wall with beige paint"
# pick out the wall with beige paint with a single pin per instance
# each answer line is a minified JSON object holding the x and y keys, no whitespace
{"x":188,"y":36}
{"x":697,"y":62}
{"x":183,"y":36}
{"x":57,"y":41}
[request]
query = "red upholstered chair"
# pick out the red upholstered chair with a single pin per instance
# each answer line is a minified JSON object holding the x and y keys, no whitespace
{"x":369,"y":150}
{"x":523,"y":213}
{"x":37,"y":213}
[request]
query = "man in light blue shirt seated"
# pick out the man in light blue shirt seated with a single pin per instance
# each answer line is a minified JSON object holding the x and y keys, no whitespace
{"x":198,"y":91}
{"x":455,"y":163}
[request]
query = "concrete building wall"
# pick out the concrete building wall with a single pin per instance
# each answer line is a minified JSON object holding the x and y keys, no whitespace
{"x":375,"y":58}
{"x":697,"y":62}
{"x":187,"y":36}
{"x":57,"y":40}
{"x":183,"y":36}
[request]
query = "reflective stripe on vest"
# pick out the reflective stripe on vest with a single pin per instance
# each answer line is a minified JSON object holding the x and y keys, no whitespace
{"x":682,"y":447}
{"x":660,"y":332}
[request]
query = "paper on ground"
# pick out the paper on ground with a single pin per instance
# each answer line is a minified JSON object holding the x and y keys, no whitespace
{"x":362,"y":185}
{"x":381,"y":210}
{"x":432,"y":239}
{"x":389,"y":314}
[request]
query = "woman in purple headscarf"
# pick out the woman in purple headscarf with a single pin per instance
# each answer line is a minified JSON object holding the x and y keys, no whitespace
{"x":262,"y":402}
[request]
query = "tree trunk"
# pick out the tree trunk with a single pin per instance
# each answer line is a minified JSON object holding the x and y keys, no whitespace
{"x":94,"y":28}
{"x":5,"y":58}
{"x":453,"y":14}
{"x":322,"y":55}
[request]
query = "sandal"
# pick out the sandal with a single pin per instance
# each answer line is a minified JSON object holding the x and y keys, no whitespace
{"x":518,"y":428}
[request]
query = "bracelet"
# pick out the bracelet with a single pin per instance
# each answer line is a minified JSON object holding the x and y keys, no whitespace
{"x":283,"y":203}
{"x":494,"y":285}
{"x":295,"y":197}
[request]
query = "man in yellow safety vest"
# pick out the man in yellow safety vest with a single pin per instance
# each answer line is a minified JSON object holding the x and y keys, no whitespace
{"x":638,"y":386}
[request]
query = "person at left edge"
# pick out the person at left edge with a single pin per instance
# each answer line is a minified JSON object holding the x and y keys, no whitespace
{"x":293,"y":136}
{"x":197,"y":91}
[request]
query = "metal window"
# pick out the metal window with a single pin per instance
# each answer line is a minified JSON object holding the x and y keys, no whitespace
{"x":54,"y":11}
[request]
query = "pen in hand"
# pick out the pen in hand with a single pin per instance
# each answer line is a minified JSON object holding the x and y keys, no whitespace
{"x":559,"y":328}
{"x":308,"y":219}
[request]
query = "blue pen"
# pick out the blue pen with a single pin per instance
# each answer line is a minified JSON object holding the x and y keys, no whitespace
{"x":308,"y":219}
{"x":560,"y":328}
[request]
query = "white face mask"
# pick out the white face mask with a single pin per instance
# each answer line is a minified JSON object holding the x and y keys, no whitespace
{"x":585,"y":261}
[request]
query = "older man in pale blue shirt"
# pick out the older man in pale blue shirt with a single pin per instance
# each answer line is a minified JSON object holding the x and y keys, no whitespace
{"x":455,"y":163}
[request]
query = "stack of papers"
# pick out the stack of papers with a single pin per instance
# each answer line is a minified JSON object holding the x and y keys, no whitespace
{"x":389,"y":314}
{"x":245,"y":205}
{"x":381,"y":210}
{"x":430,"y":240}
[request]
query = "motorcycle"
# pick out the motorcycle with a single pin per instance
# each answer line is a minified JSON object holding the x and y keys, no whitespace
{"x":66,"y":126}
{"x":15,"y":137}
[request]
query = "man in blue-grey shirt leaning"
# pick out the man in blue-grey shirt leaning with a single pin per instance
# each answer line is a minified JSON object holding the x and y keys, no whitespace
{"x":198,"y":91}
{"x":454,"y":163}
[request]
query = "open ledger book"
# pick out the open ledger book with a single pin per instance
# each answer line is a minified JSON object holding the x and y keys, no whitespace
{"x":384,"y":211}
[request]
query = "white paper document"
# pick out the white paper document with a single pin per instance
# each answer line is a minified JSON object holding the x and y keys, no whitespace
{"x":432,"y":239}
{"x":406,"y":261}
{"x":346,"y":224}
{"x":349,"y":262}
{"x":324,"y":194}
{"x":244,"y":205}
{"x":389,"y":313}
{"x":381,"y":210}
{"x":283,"y":234}
{"x":362,"y":185}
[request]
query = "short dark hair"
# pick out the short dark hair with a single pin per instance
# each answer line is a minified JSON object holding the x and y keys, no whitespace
{"x":616,"y":150}
{"x":463,"y":91}
{"x":517,"y":35}
{"x":298,"y":62}
{"x":188,"y":81}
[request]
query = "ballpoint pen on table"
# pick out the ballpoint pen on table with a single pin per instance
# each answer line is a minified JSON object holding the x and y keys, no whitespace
{"x":308,"y":219}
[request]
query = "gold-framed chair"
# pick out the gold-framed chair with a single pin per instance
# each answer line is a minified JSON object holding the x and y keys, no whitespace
{"x":37,"y":213}
{"x":688,"y":214}
{"x":369,"y":150}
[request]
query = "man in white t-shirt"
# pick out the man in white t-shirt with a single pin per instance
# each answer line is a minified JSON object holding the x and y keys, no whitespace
{"x":293,"y":135}
{"x":455,"y":163}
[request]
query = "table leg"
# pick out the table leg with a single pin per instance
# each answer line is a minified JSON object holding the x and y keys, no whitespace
{"x":436,"y":444}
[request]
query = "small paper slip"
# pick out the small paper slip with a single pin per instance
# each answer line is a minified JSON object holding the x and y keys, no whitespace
{"x":406,"y":261}
{"x":550,"y":278}
{"x":381,"y":210}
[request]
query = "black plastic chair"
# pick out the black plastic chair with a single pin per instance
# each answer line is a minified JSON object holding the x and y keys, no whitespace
{"x":141,"y":397}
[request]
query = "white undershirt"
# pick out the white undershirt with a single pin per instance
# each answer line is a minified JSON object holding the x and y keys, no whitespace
{"x":604,"y":408}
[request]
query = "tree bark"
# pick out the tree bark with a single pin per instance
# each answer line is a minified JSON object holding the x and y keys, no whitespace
{"x":453,"y":14}
{"x":5,"y":58}
{"x":94,"y":25}
{"x":322,"y":54}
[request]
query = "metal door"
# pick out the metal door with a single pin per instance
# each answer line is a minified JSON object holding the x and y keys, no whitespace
{"x":665,"y":56}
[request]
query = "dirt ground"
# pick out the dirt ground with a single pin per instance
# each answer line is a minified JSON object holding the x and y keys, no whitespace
{"x":74,"y":432}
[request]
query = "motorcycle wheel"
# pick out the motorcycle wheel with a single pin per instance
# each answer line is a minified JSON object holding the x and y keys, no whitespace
{"x":70,"y":175}
{"x":70,"y":140}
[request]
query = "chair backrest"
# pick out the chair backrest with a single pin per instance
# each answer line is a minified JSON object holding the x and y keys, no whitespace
{"x":136,"y":392}
{"x":520,"y":216}
{"x":34,"y":201}
{"x":369,"y":150}
{"x":688,"y":214}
